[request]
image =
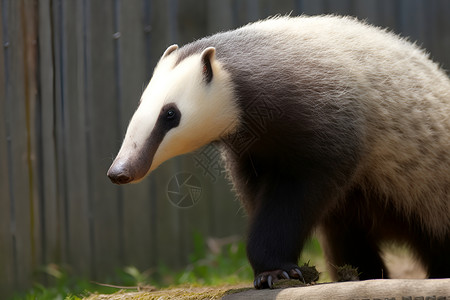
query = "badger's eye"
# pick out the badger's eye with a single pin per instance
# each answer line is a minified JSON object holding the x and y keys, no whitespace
{"x":170,"y":114}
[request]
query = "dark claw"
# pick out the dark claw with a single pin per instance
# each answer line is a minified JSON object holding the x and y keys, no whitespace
{"x":257,"y":282}
{"x":300,"y":275}
{"x":269,"y":282}
{"x":267,"y":279}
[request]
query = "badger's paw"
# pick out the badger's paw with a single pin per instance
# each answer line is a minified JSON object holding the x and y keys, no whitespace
{"x":266,"y":279}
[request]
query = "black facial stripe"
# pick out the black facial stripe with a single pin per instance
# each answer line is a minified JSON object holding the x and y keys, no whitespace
{"x":164,"y":123}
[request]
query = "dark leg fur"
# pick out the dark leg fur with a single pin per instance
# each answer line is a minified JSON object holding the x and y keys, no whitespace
{"x":437,"y":258}
{"x":353,"y":233}
{"x":280,"y":223}
{"x":288,"y":179}
{"x":352,"y":236}
{"x":273,"y":245}
{"x":348,"y":243}
{"x":432,"y":252}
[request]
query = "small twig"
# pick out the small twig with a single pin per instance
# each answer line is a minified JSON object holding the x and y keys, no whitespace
{"x":117,"y":286}
{"x":139,"y":288}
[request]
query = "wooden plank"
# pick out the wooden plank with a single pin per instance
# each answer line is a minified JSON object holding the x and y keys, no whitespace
{"x":366,"y":10}
{"x":271,"y":8}
{"x":412,"y":23}
{"x":87,"y":83}
{"x":170,"y":247}
{"x":252,"y":11}
{"x":138,"y":236}
{"x":444,"y":37}
{"x":430,"y":28}
{"x":230,"y":217}
{"x":388,"y":13}
{"x":19,"y":131}
{"x":60,"y":127}
{"x":312,"y":7}
{"x":101,"y":97}
{"x":8,"y":261}
{"x":192,"y":20}
{"x":438,"y":31}
{"x":219,"y":16}
{"x":342,"y":7}
{"x":72,"y":70}
{"x":51,"y":236}
{"x":197,"y":218}
{"x":16,"y":131}
{"x":160,"y":30}
{"x":245,"y":11}
{"x":29,"y":20}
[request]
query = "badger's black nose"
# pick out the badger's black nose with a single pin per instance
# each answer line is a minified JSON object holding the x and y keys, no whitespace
{"x":120,"y":178}
{"x":118,"y":174}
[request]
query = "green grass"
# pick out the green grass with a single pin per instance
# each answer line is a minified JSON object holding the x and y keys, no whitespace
{"x":206,"y":268}
{"x":62,"y":286}
{"x":228,"y":265}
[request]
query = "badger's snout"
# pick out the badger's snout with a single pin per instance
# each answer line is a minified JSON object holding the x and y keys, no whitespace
{"x":128,"y":169}
{"x":119,"y":173}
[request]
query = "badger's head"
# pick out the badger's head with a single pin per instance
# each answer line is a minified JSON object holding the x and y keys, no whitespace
{"x":187,"y":104}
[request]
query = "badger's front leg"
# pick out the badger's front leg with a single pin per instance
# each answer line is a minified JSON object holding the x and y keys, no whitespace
{"x":280,"y":221}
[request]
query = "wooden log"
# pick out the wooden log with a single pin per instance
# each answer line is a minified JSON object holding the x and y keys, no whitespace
{"x":386,"y":289}
{"x":369,"y":289}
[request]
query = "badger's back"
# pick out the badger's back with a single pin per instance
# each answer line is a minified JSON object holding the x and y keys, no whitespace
{"x":355,"y":87}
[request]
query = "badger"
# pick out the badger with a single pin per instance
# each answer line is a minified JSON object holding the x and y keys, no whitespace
{"x":325,"y":123}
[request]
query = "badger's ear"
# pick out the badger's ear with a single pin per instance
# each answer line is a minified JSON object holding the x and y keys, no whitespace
{"x":169,"y":50}
{"x":208,"y":56}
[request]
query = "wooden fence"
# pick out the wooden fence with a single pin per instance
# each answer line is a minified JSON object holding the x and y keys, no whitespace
{"x":71,"y":74}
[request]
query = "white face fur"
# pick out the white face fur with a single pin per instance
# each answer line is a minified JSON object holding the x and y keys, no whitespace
{"x":204,"y":105}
